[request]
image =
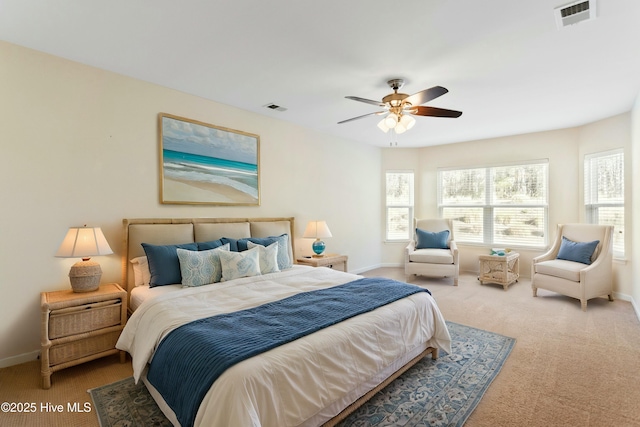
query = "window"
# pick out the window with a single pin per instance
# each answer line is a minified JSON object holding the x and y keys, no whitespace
{"x":502,"y":206}
{"x":604,"y":193}
{"x":399,"y":202}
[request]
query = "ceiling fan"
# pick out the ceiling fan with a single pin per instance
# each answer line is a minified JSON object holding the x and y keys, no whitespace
{"x":400,"y":107}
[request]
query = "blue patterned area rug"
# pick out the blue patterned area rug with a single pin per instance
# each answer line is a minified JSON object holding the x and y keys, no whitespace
{"x":442,"y":392}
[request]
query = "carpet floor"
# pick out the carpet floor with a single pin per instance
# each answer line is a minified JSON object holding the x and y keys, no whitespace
{"x":440,"y":392}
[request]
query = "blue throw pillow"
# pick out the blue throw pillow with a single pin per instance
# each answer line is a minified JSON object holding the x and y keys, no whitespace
{"x":431,"y":240}
{"x":164,"y":264}
{"x":212,"y":244}
{"x":577,"y":251}
{"x":233,"y":243}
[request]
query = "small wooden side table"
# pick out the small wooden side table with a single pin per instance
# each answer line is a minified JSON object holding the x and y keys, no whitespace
{"x":503,"y":270}
{"x":334,"y":261}
{"x":79,"y":327}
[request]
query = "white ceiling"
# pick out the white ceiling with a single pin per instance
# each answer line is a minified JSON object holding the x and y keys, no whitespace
{"x":506,"y":65}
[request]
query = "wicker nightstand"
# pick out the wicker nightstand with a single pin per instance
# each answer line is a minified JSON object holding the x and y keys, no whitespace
{"x":79,"y":327}
{"x":335,"y":261}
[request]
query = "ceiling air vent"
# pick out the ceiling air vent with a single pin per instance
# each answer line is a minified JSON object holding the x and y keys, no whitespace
{"x":275,"y":107}
{"x":573,"y":13}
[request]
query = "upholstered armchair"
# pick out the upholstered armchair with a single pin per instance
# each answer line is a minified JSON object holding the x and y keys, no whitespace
{"x":433,"y":251}
{"x":575,"y":265}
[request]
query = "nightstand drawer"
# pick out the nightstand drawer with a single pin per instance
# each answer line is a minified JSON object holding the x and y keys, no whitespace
{"x":78,"y":349}
{"x":84,"y":318}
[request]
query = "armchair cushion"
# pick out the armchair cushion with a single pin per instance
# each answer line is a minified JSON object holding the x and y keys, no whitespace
{"x":577,"y":251}
{"x":563,"y":269}
{"x":431,"y":256}
{"x":432,"y":240}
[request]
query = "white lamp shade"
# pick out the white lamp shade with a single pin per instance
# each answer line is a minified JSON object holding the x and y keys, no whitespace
{"x":391,"y":120}
{"x":316,"y":230}
{"x":83,"y":242}
{"x":407,"y":121}
{"x":383,"y":127}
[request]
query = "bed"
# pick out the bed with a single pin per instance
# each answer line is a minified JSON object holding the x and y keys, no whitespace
{"x":315,"y":378}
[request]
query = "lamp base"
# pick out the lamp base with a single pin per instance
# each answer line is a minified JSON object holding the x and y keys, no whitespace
{"x":318,"y":247}
{"x":85,"y":276}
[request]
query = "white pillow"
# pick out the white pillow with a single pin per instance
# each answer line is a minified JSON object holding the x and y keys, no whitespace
{"x":267,"y":256}
{"x":239,"y":264}
{"x":141,"y":273}
{"x":200,"y":267}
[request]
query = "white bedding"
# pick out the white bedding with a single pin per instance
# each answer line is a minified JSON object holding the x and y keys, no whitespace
{"x":293,"y":384}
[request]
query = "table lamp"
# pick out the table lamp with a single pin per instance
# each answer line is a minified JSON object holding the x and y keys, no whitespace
{"x":84,"y":242}
{"x":317,"y":230}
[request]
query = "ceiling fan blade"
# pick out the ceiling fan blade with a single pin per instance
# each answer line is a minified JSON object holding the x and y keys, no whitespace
{"x":364,"y":115}
{"x":434,"y":112}
{"x":426,"y":95}
{"x":367,"y":101}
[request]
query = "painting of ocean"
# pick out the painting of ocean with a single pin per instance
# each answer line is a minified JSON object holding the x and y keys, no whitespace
{"x":206,"y":164}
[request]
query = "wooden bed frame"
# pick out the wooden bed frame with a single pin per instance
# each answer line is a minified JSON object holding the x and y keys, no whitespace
{"x":204,"y":229}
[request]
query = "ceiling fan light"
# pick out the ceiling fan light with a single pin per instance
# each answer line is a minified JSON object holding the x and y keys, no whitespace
{"x":391,"y":121}
{"x":407,"y":121}
{"x":400,"y":128}
{"x":383,"y":127}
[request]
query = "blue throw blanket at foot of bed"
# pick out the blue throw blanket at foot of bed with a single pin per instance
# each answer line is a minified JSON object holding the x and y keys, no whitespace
{"x":192,"y":356}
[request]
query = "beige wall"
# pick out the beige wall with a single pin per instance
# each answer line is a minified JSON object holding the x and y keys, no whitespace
{"x":79,"y":146}
{"x":564,"y":149}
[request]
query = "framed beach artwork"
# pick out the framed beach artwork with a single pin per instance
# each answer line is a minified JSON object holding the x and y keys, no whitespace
{"x":207,"y":164}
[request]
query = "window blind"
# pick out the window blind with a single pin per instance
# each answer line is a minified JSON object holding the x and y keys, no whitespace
{"x":499,"y":205}
{"x":604,"y":193}
{"x":399,"y":205}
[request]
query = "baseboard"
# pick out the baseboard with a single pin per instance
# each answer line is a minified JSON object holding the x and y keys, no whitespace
{"x":623,"y":297}
{"x":363,"y":269}
{"x":21,"y":358}
{"x":636,"y":308}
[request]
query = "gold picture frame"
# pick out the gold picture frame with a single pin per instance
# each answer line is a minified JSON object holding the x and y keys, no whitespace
{"x":205,"y":164}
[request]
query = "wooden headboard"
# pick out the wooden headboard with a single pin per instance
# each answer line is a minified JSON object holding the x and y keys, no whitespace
{"x":167,"y":231}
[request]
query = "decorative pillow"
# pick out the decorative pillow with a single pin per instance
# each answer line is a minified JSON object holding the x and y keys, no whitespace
{"x":141,"y":274}
{"x":201,"y":267}
{"x":233,"y":244}
{"x":431,"y":240}
{"x":164,"y":265}
{"x":239,"y":264}
{"x":267,"y":256}
{"x":205,"y":246}
{"x":577,"y":251}
{"x":284,"y":261}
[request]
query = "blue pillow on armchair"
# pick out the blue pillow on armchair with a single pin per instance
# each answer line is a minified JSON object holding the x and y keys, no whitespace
{"x":432,"y":240}
{"x":577,"y":251}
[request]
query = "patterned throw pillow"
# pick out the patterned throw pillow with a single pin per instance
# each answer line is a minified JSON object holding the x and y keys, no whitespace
{"x":284,"y":260}
{"x":240,"y":264}
{"x":201,"y":267}
{"x":268,"y":257}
